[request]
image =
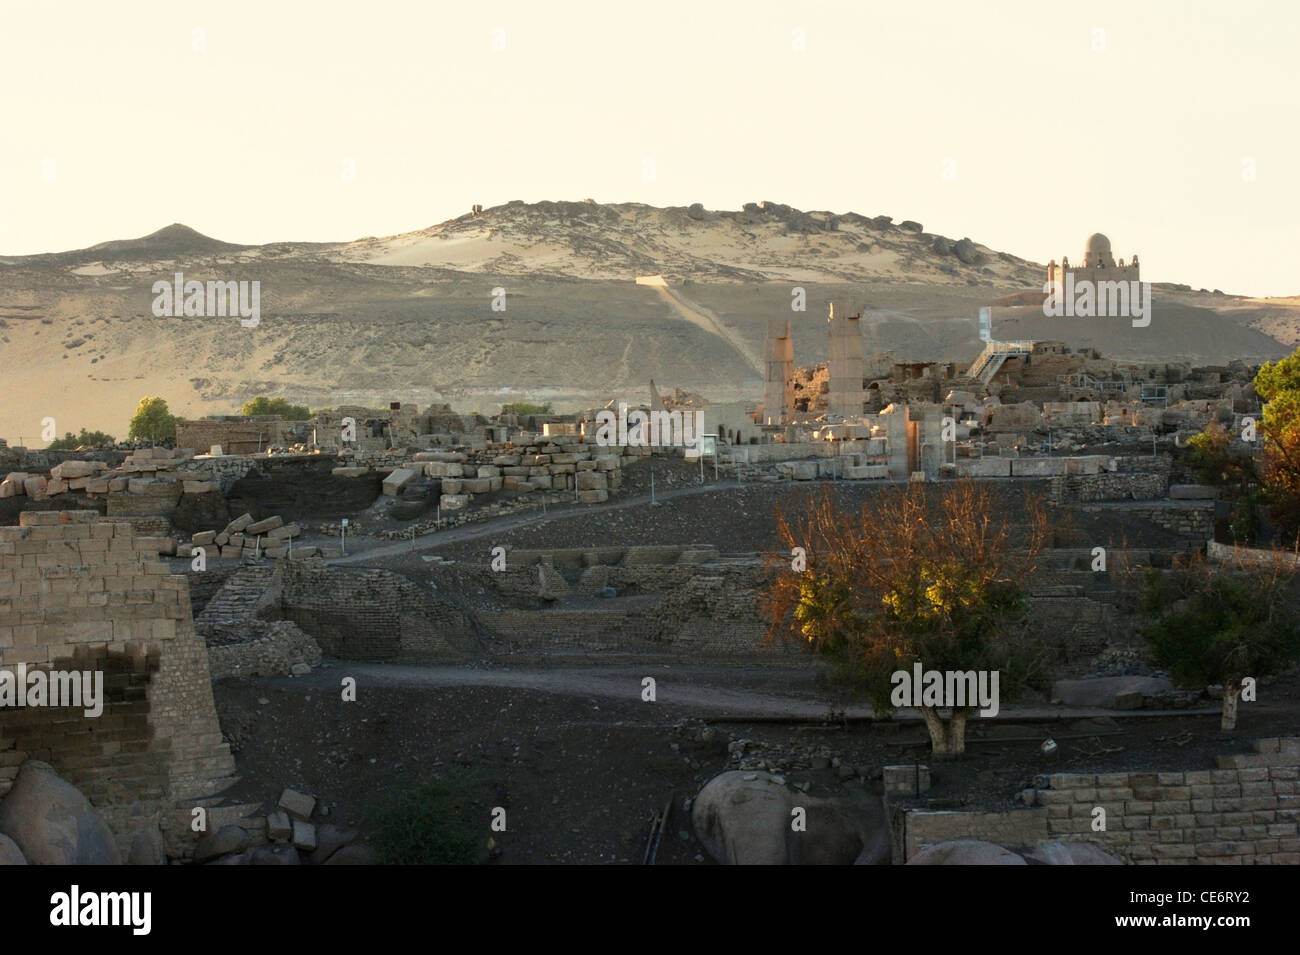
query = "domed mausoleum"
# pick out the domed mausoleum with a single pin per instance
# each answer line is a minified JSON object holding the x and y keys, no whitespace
{"x":1099,"y":264}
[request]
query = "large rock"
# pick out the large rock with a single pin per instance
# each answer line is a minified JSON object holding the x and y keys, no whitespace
{"x":329,"y":840}
{"x":52,"y":823}
{"x":10,"y":854}
{"x":744,"y":818}
{"x":354,"y":854}
{"x":966,"y":852}
{"x":279,"y":854}
{"x":1070,"y":853}
{"x":226,"y":840}
{"x":147,"y":848}
{"x":967,"y":253}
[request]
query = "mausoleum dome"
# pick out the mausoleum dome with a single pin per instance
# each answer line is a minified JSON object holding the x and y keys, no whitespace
{"x":1097,"y":244}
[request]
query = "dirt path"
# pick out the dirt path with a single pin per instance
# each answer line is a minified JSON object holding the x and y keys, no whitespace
{"x":485,"y":528}
{"x":703,"y":691}
{"x":704,"y":318}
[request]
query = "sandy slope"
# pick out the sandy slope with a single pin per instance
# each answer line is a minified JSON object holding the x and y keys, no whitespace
{"x":409,"y":317}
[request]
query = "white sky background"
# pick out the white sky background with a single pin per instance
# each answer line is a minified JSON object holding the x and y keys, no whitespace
{"x":244,"y":141}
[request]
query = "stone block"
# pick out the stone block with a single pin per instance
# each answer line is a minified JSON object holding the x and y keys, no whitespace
{"x":476,"y":485}
{"x":239,"y":524}
{"x":453,"y":502}
{"x":591,"y":481}
{"x":350,"y":472}
{"x":263,"y":526}
{"x":73,"y":469}
{"x":593,"y":497}
{"x":296,"y":804}
{"x":489,"y":471}
{"x":278,"y":826}
{"x":304,"y":835}
{"x":283,"y":532}
{"x":397,"y":480}
{"x":203,"y":538}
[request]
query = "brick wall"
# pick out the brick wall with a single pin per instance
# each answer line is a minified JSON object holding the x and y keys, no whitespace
{"x":77,"y":595}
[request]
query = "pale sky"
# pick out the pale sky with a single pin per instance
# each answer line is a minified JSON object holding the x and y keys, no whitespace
{"x":244,"y":138}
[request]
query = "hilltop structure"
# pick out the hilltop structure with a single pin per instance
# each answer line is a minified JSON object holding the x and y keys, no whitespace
{"x":1099,"y":265}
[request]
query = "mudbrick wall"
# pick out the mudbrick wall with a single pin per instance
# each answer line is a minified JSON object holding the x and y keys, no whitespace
{"x":80,"y":595}
{"x":1245,"y":812}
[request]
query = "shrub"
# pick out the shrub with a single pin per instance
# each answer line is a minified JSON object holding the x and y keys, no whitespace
{"x":429,"y":823}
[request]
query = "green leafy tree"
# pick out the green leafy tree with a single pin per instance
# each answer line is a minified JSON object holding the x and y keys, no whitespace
{"x":152,"y":421}
{"x":1278,"y":385}
{"x":916,"y":577}
{"x":1215,"y":462}
{"x":262,"y":405}
{"x":86,"y":439}
{"x":1226,"y":629}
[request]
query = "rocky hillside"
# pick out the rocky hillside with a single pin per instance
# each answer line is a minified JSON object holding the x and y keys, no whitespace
{"x":411,"y":317}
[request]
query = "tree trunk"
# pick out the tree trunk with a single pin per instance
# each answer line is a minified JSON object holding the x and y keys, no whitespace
{"x":1231,"y":693}
{"x":947,"y":739}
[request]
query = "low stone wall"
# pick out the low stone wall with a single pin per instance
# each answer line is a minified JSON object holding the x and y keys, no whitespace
{"x":1250,"y":556}
{"x":1245,"y":812}
{"x":223,"y":470}
{"x":1185,"y":518}
{"x":1108,"y":486}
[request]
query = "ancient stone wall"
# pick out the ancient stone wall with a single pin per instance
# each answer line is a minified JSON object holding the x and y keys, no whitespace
{"x":371,"y":614}
{"x":80,"y":595}
{"x":1245,"y":812}
{"x":144,"y":498}
{"x":1108,"y":486}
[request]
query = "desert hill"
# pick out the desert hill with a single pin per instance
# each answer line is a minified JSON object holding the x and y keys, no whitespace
{"x":410,"y":317}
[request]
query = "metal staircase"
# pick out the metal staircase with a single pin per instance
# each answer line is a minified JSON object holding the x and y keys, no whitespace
{"x":992,"y":357}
